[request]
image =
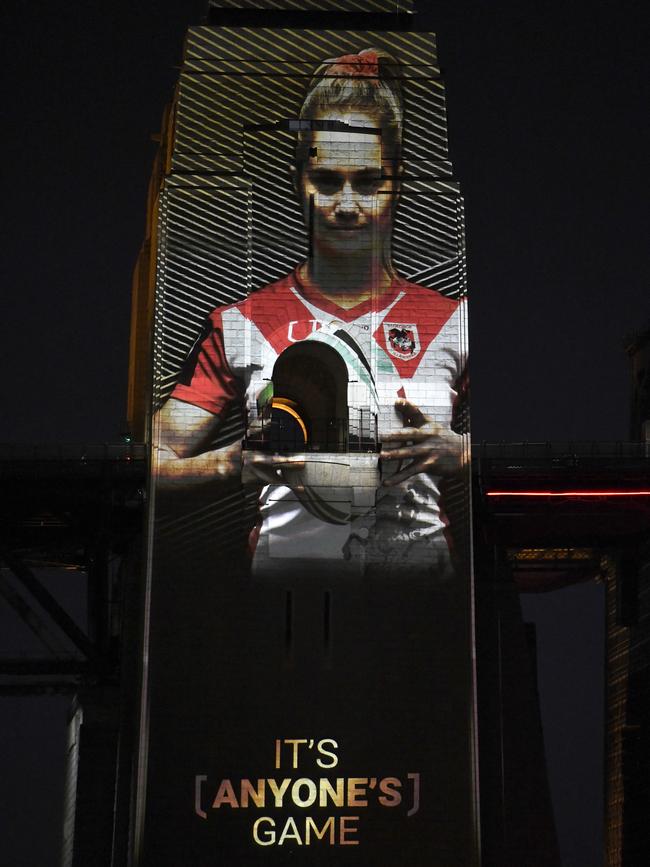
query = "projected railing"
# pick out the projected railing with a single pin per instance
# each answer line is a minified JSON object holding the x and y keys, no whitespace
{"x":287,"y":431}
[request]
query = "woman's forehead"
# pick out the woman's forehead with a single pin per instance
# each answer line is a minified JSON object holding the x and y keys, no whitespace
{"x":337,"y":148}
{"x":351,"y":116}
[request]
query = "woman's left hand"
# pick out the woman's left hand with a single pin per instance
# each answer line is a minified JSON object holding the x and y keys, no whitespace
{"x":430,"y":447}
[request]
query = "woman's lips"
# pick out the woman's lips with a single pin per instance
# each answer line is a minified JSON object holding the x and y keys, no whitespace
{"x":337,"y":227}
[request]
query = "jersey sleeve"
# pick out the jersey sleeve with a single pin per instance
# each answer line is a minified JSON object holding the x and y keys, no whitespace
{"x":205,"y":379}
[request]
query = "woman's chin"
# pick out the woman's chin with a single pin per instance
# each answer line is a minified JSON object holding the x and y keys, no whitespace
{"x":349,"y":242}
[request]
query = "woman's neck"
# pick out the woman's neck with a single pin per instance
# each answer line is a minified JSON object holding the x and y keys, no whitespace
{"x":346,"y":281}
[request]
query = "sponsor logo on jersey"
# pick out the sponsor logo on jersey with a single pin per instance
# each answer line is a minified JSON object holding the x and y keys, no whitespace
{"x":402,"y":339}
{"x":300,"y":329}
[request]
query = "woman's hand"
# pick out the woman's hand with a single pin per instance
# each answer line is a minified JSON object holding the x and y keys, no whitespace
{"x":428,"y":446}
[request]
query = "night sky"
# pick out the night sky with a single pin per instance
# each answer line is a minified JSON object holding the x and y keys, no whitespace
{"x":549,"y":136}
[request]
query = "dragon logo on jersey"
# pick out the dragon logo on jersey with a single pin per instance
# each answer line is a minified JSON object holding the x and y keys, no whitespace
{"x":402,"y":340}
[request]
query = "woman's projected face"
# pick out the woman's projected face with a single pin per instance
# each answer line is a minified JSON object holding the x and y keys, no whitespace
{"x":353,"y":193}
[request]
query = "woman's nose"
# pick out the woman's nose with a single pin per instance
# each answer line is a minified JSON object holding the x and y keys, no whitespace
{"x":347,"y":201}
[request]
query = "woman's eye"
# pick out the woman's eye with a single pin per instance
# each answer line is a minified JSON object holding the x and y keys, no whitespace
{"x":328,"y":185}
{"x":328,"y":188}
{"x":367,"y":186}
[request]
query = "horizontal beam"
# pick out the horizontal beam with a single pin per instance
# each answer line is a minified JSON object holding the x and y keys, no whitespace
{"x":41,"y":688}
{"x":23,"y":666}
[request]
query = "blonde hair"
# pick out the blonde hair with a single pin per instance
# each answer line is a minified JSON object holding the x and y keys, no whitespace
{"x":370,"y":82}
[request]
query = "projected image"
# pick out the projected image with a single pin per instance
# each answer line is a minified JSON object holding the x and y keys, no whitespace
{"x":308,"y":560}
{"x":346,"y":372}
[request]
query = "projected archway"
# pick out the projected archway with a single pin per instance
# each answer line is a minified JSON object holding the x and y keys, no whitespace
{"x":310,"y":399}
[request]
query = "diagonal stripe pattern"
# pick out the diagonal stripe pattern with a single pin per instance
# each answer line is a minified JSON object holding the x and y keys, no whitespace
{"x":387,"y":6}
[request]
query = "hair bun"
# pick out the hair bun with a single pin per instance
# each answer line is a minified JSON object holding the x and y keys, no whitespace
{"x":363,"y":64}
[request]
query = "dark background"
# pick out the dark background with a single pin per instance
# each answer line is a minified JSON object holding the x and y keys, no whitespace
{"x":549,"y":134}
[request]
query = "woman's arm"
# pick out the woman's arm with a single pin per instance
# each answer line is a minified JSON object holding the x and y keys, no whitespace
{"x":182,"y":457}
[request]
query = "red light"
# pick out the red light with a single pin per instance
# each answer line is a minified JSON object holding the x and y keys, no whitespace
{"x":568,"y":493}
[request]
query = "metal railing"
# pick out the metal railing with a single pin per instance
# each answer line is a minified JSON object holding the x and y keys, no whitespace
{"x":613,"y":462}
{"x":284,"y":434}
{"x":72,"y":452}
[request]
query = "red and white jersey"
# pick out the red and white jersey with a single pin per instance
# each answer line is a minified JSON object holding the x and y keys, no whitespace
{"x":412,"y":339}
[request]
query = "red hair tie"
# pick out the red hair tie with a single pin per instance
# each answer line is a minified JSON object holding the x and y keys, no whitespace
{"x":364,"y":65}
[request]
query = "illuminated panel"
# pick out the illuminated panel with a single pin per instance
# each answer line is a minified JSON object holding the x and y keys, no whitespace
{"x":552,"y":554}
{"x":309,"y":689}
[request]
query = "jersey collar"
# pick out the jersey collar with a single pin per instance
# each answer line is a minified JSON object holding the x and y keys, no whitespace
{"x":348,"y":314}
